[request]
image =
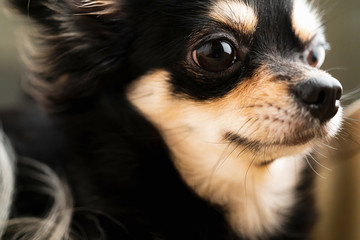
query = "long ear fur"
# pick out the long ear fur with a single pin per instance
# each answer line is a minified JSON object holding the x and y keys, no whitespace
{"x":7,"y":180}
{"x":56,"y":224}
{"x":75,"y":44}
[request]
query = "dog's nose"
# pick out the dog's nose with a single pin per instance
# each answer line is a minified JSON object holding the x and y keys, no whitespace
{"x":320,"y":97}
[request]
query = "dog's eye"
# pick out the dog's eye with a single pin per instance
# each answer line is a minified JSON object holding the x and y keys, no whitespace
{"x":315,"y":57}
{"x":214,"y":56}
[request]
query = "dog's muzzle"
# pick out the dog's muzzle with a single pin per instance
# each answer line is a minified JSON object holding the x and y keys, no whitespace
{"x":320,"y":97}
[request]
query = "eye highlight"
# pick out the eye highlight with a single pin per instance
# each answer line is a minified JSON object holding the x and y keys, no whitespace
{"x":215,"y":55}
{"x":315,"y":57}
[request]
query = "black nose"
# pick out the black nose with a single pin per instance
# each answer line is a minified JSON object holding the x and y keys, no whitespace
{"x":320,"y":97}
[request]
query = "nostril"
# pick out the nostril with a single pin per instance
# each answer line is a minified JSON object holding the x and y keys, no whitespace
{"x":339,"y":93}
{"x":320,"y":98}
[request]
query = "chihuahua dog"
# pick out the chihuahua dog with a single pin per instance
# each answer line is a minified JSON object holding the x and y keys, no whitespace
{"x":167,"y":120}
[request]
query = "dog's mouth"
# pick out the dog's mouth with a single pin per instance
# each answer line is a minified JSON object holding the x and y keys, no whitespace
{"x":268,"y":152}
{"x":300,"y":139}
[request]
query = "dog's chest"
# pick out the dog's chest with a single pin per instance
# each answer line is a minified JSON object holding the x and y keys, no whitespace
{"x":257,"y":200}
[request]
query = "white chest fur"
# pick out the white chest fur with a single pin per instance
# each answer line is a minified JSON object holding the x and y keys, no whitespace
{"x":257,"y":199}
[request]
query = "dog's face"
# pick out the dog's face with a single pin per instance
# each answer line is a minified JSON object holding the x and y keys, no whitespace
{"x":239,"y":72}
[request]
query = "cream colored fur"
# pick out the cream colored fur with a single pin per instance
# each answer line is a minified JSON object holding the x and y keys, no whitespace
{"x":257,"y":199}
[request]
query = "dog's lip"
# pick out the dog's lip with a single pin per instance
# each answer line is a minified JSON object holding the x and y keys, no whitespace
{"x":266,"y":163}
{"x":257,"y":145}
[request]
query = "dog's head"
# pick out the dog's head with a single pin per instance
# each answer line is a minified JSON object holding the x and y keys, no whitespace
{"x":245,"y":72}
{"x":240,"y":72}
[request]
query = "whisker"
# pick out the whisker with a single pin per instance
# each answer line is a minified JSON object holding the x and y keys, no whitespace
{"x":265,"y":150}
{"x":320,"y":164}
{"x":350,"y":121}
{"x":313,"y":169}
{"x":246,"y":176}
{"x":351,"y":95}
{"x":320,"y":153}
{"x":222,"y":157}
{"x":328,"y":146}
{"x":335,"y":69}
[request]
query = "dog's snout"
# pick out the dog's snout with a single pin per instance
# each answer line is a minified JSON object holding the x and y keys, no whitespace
{"x":320,"y":97}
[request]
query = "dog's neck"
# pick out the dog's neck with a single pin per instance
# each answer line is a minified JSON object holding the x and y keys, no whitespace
{"x":256,"y":199}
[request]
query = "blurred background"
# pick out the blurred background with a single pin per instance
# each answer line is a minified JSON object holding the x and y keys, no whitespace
{"x":339,"y":188}
{"x":10,"y":68}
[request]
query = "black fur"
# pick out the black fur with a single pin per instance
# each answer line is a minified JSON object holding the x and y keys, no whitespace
{"x":116,"y":162}
{"x":125,"y":178}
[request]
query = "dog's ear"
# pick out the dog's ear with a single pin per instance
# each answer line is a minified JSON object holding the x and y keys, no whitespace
{"x":75,"y":44}
{"x":47,"y":10}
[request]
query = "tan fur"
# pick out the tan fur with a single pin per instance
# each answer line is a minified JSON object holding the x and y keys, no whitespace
{"x":236,"y":14}
{"x":306,"y":21}
{"x":256,"y":198}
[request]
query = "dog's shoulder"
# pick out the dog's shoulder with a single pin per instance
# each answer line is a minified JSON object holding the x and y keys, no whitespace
{"x":147,"y":198}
